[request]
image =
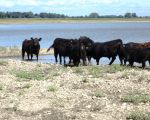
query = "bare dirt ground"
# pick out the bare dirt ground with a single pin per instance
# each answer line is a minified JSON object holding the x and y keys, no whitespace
{"x":37,"y":91}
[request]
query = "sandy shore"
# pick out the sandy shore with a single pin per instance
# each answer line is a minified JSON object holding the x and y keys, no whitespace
{"x":32,"y":90}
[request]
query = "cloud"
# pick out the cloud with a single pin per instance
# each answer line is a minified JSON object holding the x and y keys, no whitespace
{"x":11,"y":3}
{"x":6,"y":3}
{"x":76,"y":7}
{"x":26,"y":3}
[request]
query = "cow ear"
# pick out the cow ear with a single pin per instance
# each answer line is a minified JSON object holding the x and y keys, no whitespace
{"x":40,"y":39}
{"x":31,"y":38}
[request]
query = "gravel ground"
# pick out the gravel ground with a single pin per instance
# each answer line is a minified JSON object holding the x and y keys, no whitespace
{"x":37,"y":91}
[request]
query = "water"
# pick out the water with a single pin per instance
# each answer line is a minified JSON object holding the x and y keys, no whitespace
{"x":13,"y":35}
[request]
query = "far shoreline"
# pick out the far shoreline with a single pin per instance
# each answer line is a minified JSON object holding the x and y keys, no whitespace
{"x":8,"y":21}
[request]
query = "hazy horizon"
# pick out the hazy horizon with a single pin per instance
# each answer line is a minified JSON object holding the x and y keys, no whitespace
{"x":78,"y":7}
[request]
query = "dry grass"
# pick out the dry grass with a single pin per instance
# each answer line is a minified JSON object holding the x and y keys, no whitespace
{"x":136,"y":97}
{"x":69,"y":20}
{"x":29,"y":75}
{"x":138,"y":115}
{"x":16,"y":51}
{"x":3,"y":63}
{"x":31,"y":90}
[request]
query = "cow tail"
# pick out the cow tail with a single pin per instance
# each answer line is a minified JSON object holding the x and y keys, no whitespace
{"x":50,"y":47}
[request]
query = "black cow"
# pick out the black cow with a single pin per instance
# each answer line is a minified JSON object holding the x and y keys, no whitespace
{"x":128,"y":49}
{"x":136,"y":52}
{"x":88,"y":44}
{"x":108,"y":49}
{"x":31,"y":47}
{"x":72,"y":48}
{"x":77,"y":52}
{"x":139,"y":55}
{"x":62,"y":48}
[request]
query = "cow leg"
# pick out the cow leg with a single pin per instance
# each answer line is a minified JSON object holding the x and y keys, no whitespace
{"x":84,"y":61}
{"x":149,"y":62}
{"x":60,"y":59}
{"x":69,"y":60}
{"x":31,"y":56}
{"x":125,"y":61}
{"x":56,"y":59}
{"x":64,"y":60}
{"x":112,"y":60}
{"x":143,"y":64}
{"x":37,"y":57}
{"x":131,"y":63}
{"x":89,"y":59}
{"x":55,"y":54}
{"x":23,"y":53}
{"x":28,"y":55}
{"x":76,"y":62}
{"x":121,"y":60}
{"x":97,"y":61}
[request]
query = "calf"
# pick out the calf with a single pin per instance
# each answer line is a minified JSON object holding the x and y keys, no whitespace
{"x":31,"y":47}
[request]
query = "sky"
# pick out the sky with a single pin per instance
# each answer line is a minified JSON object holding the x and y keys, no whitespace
{"x":78,"y":7}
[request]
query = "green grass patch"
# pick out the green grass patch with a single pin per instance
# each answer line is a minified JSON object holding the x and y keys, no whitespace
{"x":128,"y":73}
{"x":1,"y":87}
{"x":3,"y":63}
{"x":84,"y":80}
{"x":138,"y":115}
{"x":51,"y":88}
{"x":99,"y":94}
{"x":29,"y":75}
{"x":78,"y":70}
{"x":56,"y":74}
{"x":136,"y":97}
{"x":100,"y":71}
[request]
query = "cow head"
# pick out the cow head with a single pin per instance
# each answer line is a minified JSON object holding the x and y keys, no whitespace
{"x":86,"y":41}
{"x":36,"y":41}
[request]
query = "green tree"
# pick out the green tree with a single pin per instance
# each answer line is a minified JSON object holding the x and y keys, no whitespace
{"x":128,"y":15}
{"x":134,"y":15}
{"x":93,"y":15}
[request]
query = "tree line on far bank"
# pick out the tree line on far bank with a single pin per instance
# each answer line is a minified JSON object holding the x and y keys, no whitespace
{"x":54,"y":15}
